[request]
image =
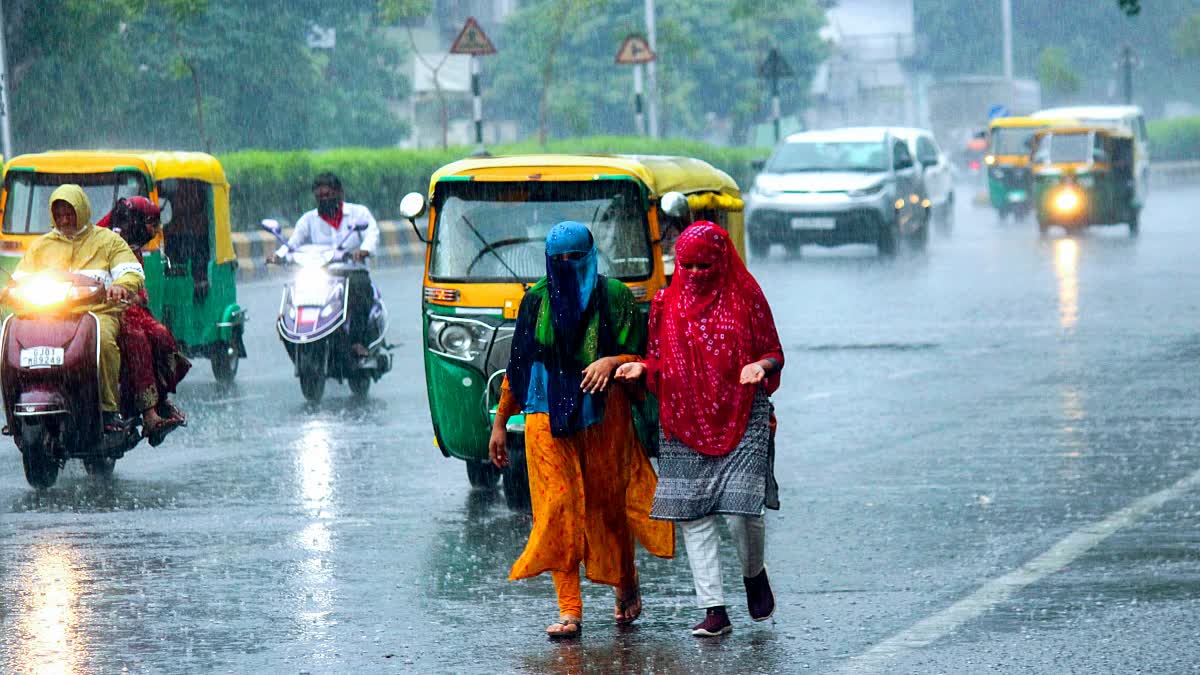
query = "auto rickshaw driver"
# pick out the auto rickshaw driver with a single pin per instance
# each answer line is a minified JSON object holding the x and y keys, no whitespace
{"x":75,"y":245}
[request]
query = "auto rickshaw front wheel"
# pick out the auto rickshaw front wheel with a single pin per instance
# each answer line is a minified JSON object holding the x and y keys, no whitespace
{"x":225,"y":361}
{"x":1134,"y":225}
{"x":483,"y":475}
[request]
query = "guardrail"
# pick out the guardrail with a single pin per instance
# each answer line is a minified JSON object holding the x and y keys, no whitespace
{"x":398,"y":245}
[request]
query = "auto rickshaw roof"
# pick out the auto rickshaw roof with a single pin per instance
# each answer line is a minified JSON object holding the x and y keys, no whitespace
{"x":659,"y":173}
{"x":1090,"y":112}
{"x":157,"y":163}
{"x":1019,"y":122}
{"x":1083,"y":129}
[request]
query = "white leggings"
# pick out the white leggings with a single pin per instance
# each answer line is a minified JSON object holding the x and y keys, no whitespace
{"x":703,"y":547}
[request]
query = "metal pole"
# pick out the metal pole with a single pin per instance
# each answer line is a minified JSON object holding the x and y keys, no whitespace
{"x":651,"y":70}
{"x":5,"y":132}
{"x":1006,"y":21}
{"x":639,"y":117}
{"x":476,"y":101}
{"x":775,"y":110}
{"x":1127,"y":73}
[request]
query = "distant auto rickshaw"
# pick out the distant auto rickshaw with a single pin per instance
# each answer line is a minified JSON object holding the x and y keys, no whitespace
{"x":1085,"y":176}
{"x":488,"y":219}
{"x":1009,"y":176}
{"x":190,"y":270}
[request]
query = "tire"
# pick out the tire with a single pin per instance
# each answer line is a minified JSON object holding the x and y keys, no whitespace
{"x":919,"y":239}
{"x":312,"y":385}
{"x":794,"y":249}
{"x":482,"y":475}
{"x":1043,"y":227}
{"x":224,"y":364}
{"x":886,"y":241}
{"x":360,"y":385}
{"x":516,"y":475}
{"x":41,"y":468}
{"x":1134,"y":225}
{"x":760,"y":249}
{"x":99,"y":467}
{"x":311,"y":367}
{"x":946,"y":219}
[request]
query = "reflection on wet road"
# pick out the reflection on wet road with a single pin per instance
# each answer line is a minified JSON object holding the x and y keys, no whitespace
{"x":947,"y":420}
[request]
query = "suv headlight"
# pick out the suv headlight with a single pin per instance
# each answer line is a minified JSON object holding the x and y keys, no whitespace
{"x":760,"y":191}
{"x":459,"y":339}
{"x":873,"y":189}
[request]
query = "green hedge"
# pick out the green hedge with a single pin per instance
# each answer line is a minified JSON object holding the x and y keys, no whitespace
{"x":1175,"y":139}
{"x":269,"y":184}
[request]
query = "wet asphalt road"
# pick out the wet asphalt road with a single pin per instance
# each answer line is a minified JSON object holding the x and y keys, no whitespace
{"x":987,"y":456}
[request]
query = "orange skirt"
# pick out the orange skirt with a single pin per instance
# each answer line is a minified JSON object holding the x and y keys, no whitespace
{"x":591,"y":496}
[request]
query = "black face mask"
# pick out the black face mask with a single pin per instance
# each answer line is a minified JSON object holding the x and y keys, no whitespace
{"x":329,"y":207}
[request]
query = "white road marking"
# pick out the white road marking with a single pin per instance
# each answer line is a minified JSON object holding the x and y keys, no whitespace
{"x":996,"y":591}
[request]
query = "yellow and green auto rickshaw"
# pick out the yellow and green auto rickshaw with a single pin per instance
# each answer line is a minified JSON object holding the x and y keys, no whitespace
{"x":1010,"y":178}
{"x":488,"y":220}
{"x":1085,"y":176}
{"x":190,"y":269}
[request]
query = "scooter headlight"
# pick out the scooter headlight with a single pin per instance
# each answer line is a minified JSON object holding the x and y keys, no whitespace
{"x":43,"y":292}
{"x":312,"y":286}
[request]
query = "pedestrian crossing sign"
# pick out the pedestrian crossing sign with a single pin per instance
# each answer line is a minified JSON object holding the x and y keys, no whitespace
{"x":472,"y":40}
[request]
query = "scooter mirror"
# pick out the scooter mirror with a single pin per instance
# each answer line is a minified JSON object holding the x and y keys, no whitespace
{"x":413,"y":205}
{"x":674,"y":204}
{"x":271,"y":225}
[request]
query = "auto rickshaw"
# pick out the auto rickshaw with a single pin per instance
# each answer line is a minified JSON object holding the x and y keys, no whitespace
{"x":1010,"y":179}
{"x":488,"y":219}
{"x":190,"y":269}
{"x":1085,"y":176}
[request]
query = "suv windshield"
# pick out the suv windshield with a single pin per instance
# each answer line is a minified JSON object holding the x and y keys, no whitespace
{"x":1064,"y":148}
{"x":829,"y":156}
{"x":491,"y":232}
{"x":27,"y":210}
{"x":1012,"y":140}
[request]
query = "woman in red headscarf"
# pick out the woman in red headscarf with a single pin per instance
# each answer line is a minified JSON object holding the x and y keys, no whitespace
{"x":152,"y":363}
{"x":713,"y":359}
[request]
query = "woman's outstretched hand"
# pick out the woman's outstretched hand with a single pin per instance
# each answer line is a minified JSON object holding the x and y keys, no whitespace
{"x":753,"y":373}
{"x":630,"y":372}
{"x":597,"y":375}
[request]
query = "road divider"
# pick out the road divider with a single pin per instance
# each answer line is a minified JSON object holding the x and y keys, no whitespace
{"x":398,"y":246}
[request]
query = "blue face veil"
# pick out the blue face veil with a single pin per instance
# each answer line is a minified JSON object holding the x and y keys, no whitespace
{"x":571,"y":282}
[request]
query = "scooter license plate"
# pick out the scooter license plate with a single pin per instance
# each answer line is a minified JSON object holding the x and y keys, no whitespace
{"x":41,"y":357}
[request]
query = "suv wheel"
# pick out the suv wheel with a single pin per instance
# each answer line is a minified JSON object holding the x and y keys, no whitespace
{"x":888,"y":234}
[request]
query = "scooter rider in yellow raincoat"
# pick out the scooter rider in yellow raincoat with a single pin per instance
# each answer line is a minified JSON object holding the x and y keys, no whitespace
{"x":75,"y":245}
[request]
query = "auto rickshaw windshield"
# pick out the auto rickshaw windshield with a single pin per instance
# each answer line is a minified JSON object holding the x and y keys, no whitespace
{"x":1064,"y":148}
{"x":1010,"y":141}
{"x":27,"y":210}
{"x":482,"y":234}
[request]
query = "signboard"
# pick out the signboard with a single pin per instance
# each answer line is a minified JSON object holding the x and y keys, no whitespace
{"x":998,"y":110}
{"x":635,"y":50}
{"x":774,"y":67}
{"x":472,"y":40}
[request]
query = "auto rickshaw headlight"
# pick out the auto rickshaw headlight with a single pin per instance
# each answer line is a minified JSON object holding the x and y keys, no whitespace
{"x":1067,"y":200}
{"x":465,"y":340}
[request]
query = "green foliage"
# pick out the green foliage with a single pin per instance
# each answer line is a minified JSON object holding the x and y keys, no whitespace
{"x":708,"y":54}
{"x":1055,"y":73}
{"x":1186,"y":38}
{"x":276,"y":184}
{"x":1175,"y":139}
{"x":148,"y":72}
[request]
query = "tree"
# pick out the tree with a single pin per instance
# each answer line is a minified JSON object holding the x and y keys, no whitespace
{"x":1186,"y":38}
{"x":708,"y":52}
{"x":1057,"y":77}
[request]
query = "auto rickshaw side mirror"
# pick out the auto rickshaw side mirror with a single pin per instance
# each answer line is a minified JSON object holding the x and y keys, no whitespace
{"x":165,"y":211}
{"x":412,"y":206}
{"x":674,"y":204}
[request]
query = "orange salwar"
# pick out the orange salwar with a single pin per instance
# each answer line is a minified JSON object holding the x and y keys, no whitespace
{"x":591,"y":496}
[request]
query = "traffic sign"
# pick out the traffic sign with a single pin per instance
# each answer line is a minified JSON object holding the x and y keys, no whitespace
{"x":998,"y":110}
{"x":774,"y":67}
{"x":472,"y":40}
{"x":635,"y":50}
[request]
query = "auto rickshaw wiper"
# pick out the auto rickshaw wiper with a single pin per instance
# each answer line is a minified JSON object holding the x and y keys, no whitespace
{"x":487,"y":247}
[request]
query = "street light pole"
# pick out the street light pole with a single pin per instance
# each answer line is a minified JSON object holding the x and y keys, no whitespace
{"x":5,"y":133}
{"x":1006,"y":21}
{"x":651,"y":72}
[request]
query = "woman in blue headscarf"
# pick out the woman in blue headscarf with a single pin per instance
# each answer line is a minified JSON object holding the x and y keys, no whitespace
{"x":590,"y":483}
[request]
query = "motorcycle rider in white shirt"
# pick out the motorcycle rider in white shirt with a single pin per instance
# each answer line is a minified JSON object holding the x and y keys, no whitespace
{"x":322,"y":226}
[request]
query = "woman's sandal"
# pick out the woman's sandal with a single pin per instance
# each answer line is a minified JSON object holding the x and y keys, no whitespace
{"x":629,"y":608}
{"x":569,"y":628}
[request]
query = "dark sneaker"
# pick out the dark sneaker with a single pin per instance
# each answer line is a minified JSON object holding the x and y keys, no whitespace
{"x":759,"y":598}
{"x":716,"y":622}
